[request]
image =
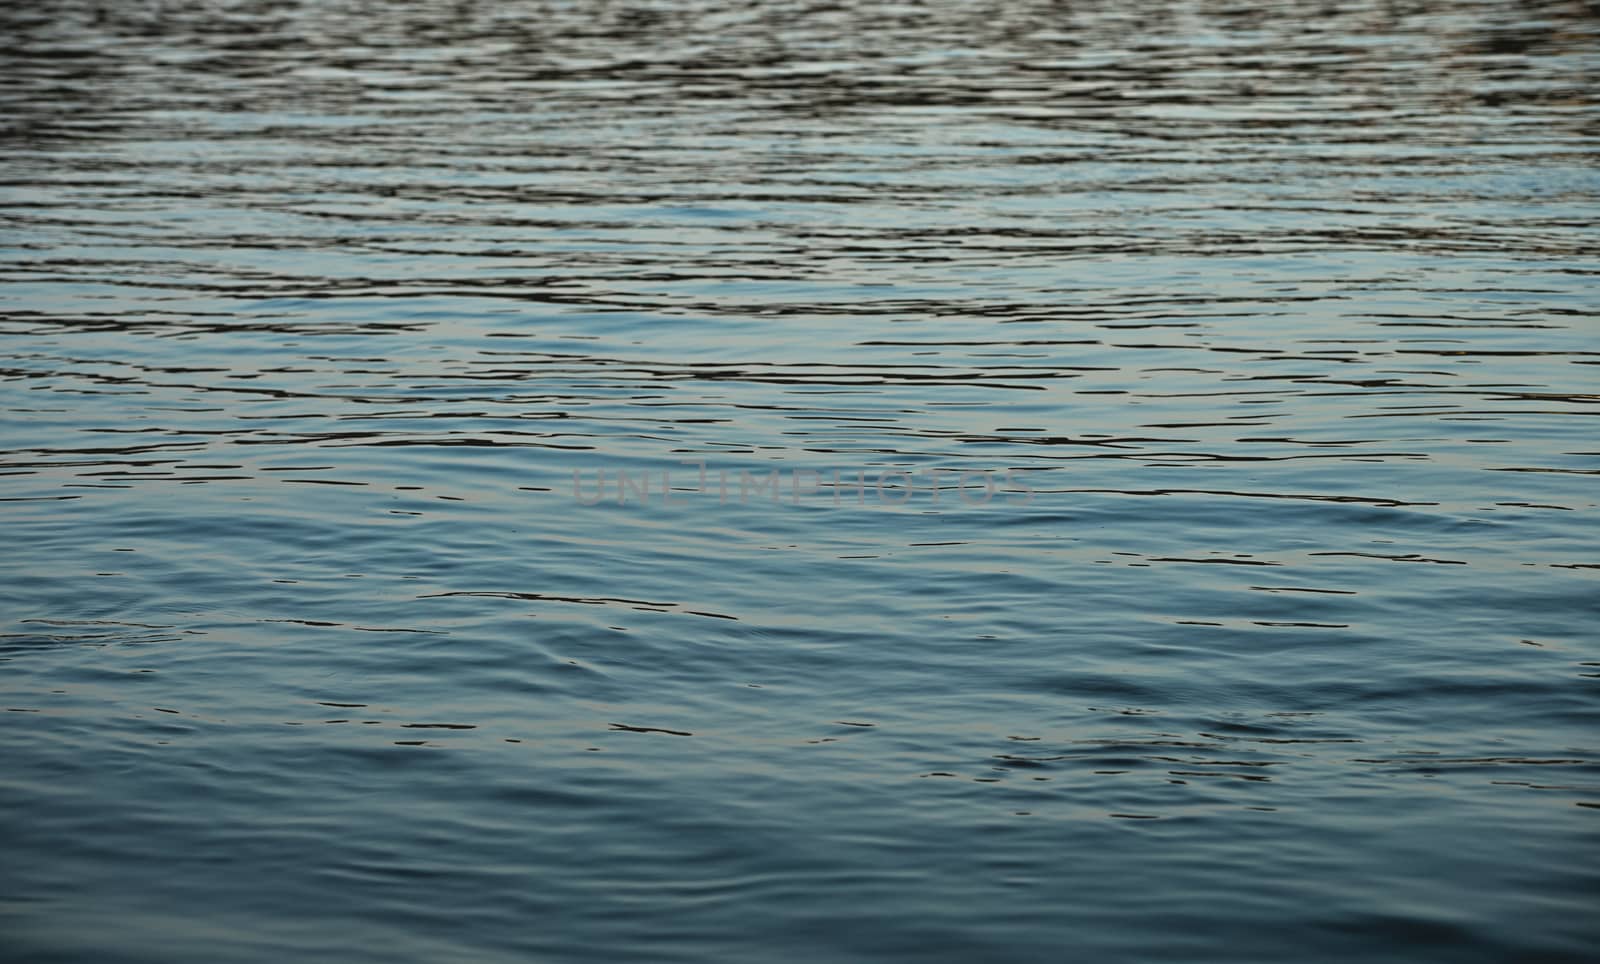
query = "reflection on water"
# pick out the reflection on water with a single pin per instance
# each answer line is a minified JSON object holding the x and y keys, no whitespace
{"x":689,"y":481}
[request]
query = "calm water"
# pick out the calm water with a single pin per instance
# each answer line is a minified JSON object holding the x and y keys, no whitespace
{"x":1260,"y":628}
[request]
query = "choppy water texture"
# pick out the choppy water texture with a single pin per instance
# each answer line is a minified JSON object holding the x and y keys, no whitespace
{"x":1271,"y":325}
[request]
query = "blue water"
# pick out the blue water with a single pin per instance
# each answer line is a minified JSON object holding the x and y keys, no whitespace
{"x":687,"y":481}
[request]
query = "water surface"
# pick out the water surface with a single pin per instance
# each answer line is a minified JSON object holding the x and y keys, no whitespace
{"x":349,"y":348}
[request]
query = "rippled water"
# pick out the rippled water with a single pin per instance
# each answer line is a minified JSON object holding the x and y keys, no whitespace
{"x":350,"y":346}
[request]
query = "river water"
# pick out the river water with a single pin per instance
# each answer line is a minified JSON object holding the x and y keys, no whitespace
{"x":694,"y":481}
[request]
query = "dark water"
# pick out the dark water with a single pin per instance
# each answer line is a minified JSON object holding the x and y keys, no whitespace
{"x":1262,"y":628}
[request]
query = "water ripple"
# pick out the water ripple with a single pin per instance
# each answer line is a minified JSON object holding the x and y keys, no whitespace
{"x":1129,"y":471}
